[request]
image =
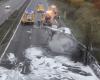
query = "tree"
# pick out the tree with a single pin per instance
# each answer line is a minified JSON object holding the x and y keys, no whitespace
{"x":96,"y":3}
{"x":88,"y":22}
{"x":77,"y":3}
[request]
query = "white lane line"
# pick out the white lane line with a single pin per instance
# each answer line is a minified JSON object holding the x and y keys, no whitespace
{"x":5,"y":36}
{"x":12,"y":36}
{"x":9,"y":42}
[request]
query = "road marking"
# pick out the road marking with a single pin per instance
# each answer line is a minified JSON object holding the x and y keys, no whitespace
{"x":12,"y":36}
{"x":5,"y":36}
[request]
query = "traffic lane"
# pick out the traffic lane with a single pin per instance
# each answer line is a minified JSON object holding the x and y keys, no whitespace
{"x":4,"y":13}
{"x":14,"y":5}
{"x":37,"y":34}
{"x":11,"y":49}
{"x":27,"y":37}
{"x":39,"y":37}
{"x":20,"y":42}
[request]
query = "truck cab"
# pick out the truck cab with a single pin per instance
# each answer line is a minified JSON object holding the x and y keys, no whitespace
{"x":47,"y":19}
{"x":28,"y":17}
{"x":40,"y":7}
{"x":54,"y":10}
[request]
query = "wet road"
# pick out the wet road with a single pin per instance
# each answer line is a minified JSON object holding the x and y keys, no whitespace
{"x":51,"y":67}
{"x":26,"y":36}
{"x":14,"y":5}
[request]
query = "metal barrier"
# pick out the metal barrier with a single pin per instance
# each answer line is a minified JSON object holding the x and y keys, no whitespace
{"x":10,"y":31}
{"x":91,"y":60}
{"x":14,"y":8}
{"x":94,"y":64}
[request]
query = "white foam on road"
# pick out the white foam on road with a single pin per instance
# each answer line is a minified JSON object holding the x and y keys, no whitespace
{"x":6,"y":74}
{"x":61,"y":43}
{"x":11,"y":57}
{"x":47,"y":68}
{"x":52,"y":68}
{"x":87,"y":69}
{"x":31,"y":52}
{"x":65,"y":30}
{"x":62,"y":40}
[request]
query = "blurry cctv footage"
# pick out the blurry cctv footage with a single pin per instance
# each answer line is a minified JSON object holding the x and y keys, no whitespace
{"x":49,"y":39}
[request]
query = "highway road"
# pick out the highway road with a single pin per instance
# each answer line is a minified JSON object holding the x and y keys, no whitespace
{"x":27,"y":36}
{"x":21,"y":39}
{"x":14,"y":5}
{"x":29,"y":46}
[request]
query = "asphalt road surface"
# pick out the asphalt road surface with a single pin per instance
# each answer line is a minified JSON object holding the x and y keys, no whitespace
{"x":14,"y":5}
{"x":28,"y":36}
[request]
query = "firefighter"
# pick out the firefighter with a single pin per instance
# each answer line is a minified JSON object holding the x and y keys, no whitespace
{"x":47,"y":18}
{"x":26,"y":66}
{"x":39,"y":22}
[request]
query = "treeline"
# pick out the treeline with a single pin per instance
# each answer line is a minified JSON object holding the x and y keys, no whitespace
{"x":85,"y":20}
{"x":78,"y":3}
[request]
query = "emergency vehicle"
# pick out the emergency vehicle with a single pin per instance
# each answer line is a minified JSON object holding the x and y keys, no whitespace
{"x":47,"y":18}
{"x":40,"y":7}
{"x":54,"y":9}
{"x":28,"y":17}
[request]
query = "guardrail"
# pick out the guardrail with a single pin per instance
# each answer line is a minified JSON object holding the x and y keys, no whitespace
{"x":6,"y":13}
{"x":90,"y":59}
{"x":94,"y":64}
{"x":12,"y":26}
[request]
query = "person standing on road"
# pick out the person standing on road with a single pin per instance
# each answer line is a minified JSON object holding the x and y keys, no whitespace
{"x":38,"y":19}
{"x":26,"y":66}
